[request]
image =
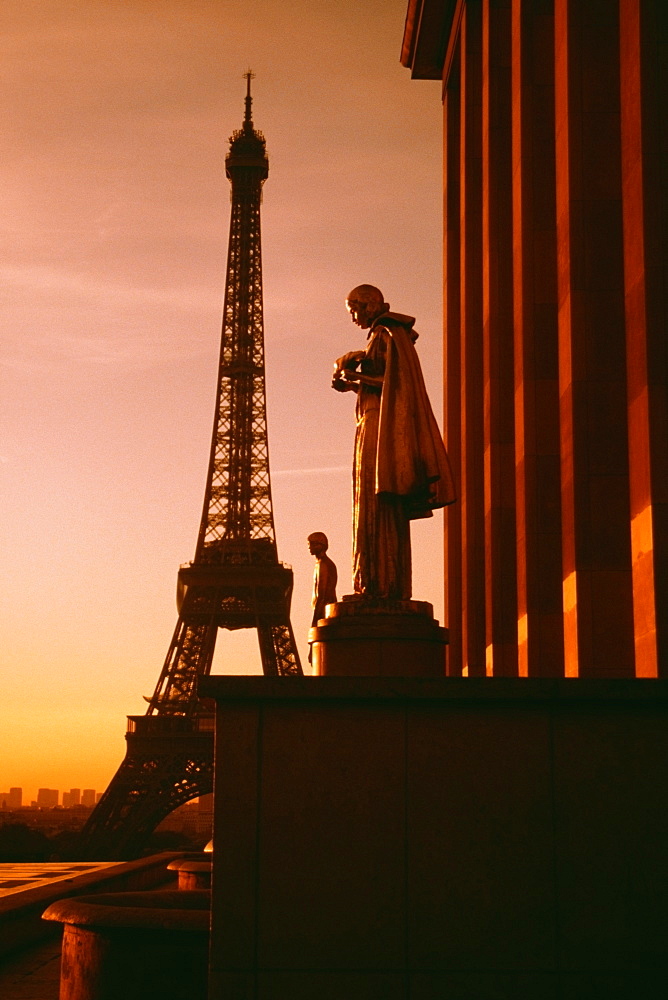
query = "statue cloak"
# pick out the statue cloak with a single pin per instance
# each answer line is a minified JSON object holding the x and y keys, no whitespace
{"x":411,"y":459}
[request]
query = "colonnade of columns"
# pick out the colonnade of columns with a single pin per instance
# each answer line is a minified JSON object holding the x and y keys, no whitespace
{"x":556,"y":332}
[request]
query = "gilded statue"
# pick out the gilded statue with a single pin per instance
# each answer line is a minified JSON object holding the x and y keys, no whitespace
{"x":401,"y":469}
{"x":324,"y":578}
{"x":324,"y":575}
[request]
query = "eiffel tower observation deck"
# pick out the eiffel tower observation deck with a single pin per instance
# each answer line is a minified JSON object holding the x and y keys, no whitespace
{"x":235,"y":580}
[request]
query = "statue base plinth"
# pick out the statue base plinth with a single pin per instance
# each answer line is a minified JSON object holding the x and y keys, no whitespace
{"x":377,"y":637}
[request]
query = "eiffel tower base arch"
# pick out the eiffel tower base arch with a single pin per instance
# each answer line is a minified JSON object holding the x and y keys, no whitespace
{"x":169,"y":761}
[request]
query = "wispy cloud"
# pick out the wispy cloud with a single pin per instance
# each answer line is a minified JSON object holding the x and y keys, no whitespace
{"x":49,"y":279}
{"x":321,"y":470}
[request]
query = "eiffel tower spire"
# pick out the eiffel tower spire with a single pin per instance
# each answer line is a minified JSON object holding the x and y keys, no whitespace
{"x":237,"y":502}
{"x":235,"y":579}
{"x":248,"y":117}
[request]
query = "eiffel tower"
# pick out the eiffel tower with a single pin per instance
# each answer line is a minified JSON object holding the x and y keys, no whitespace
{"x":235,"y":580}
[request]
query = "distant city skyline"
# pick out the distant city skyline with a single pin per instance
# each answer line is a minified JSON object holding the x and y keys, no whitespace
{"x":49,"y":798}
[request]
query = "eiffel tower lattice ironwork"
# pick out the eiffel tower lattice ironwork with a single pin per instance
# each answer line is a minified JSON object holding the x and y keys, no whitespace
{"x":235,"y":580}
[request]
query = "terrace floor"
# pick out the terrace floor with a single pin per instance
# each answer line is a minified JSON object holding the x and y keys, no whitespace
{"x":33,"y":974}
{"x":17,"y":876}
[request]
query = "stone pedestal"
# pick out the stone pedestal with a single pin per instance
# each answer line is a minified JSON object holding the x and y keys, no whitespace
{"x":361,"y":637}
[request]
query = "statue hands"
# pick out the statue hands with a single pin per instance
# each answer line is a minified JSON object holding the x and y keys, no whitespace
{"x":341,"y":385}
{"x":346,"y":378}
{"x":345,"y":382}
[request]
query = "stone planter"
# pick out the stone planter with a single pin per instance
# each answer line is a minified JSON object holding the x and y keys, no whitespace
{"x":134,"y":945}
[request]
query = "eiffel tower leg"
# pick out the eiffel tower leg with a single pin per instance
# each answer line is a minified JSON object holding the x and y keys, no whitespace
{"x":158,"y":775}
{"x":189,"y":656}
{"x":278,"y":650}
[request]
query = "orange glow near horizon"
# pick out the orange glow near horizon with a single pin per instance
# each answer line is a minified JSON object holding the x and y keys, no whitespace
{"x":113,"y":266}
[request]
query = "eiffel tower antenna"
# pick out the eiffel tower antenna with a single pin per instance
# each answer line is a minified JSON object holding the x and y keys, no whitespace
{"x":235,"y":580}
{"x":249,"y":75}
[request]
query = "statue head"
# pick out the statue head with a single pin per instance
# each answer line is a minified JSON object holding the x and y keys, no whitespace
{"x":364,"y":304}
{"x":317,"y":543}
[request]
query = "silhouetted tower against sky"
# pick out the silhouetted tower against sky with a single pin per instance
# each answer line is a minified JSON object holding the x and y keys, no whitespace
{"x":235,"y":580}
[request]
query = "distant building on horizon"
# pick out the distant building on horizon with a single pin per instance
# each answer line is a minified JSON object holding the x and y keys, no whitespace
{"x":47,"y":798}
{"x":88,"y":797}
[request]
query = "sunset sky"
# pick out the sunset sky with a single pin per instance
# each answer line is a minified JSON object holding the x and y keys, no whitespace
{"x":114,"y":227}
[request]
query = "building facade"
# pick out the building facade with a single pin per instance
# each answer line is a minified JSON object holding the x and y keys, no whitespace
{"x":555,"y":351}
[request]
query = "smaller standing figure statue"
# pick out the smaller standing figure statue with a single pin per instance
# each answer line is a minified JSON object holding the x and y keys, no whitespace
{"x":324,"y":577}
{"x":401,"y":469}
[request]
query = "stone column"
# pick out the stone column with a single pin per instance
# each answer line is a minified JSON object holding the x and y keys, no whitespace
{"x":472,"y":435}
{"x":598,"y":608}
{"x":452,"y":358}
{"x":644,"y":85}
{"x":538,"y":489}
{"x":497,"y":302}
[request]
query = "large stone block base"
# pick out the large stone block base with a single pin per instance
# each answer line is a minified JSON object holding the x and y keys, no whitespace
{"x":378,"y":638}
{"x":396,"y":838}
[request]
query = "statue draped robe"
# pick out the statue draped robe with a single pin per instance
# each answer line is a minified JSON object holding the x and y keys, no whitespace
{"x":401,"y":469}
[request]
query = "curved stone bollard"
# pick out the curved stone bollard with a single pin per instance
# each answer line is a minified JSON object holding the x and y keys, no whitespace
{"x":134,"y":945}
{"x":193,"y":873}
